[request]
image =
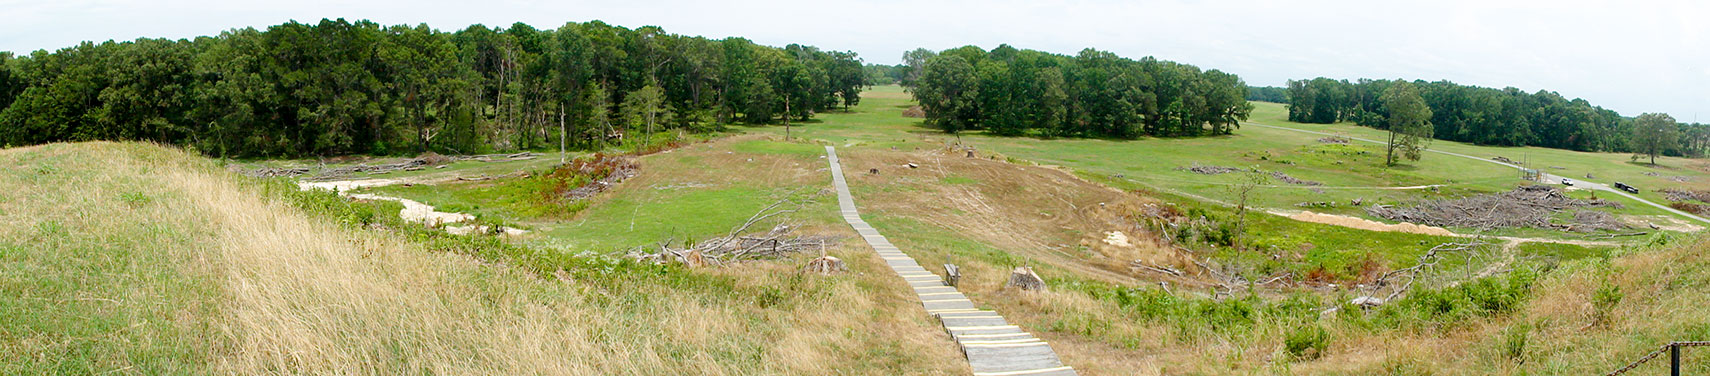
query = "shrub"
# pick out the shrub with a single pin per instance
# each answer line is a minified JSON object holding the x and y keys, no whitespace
{"x":1484,"y":297}
{"x":1307,"y":342}
{"x":1513,"y":345}
{"x":1604,"y":300}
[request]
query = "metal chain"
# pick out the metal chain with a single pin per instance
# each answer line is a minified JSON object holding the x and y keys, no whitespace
{"x":1658,"y":352}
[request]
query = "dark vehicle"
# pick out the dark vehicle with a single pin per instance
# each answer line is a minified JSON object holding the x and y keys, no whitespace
{"x":1625,"y":187}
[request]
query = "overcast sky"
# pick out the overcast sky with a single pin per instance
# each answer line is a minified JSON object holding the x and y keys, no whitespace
{"x":1630,"y":56}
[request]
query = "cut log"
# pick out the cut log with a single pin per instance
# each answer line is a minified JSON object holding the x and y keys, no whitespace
{"x":1025,"y":279}
{"x":825,"y":265}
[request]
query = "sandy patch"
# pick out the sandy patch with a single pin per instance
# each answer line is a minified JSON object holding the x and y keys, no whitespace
{"x":343,"y":186}
{"x":414,"y":211}
{"x":1117,"y":238}
{"x":1366,"y":224}
{"x":1661,"y":222}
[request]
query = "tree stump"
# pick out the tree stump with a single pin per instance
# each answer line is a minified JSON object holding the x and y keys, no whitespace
{"x":825,"y":265}
{"x":1024,"y":278}
{"x":694,"y":259}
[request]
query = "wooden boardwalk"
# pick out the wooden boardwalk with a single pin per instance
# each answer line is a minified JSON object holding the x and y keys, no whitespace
{"x":994,"y":347}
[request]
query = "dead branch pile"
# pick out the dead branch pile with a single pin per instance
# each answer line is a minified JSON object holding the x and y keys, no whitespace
{"x":1218,"y":170}
{"x":1680,"y":195}
{"x":740,"y":244}
{"x":485,"y":177}
{"x":1317,"y":204}
{"x":914,"y":112}
{"x":1143,"y":265}
{"x":1292,"y":180}
{"x":267,"y":172}
{"x":595,"y":174}
{"x":1505,"y":160}
{"x":1334,"y":140}
{"x":1209,"y":170}
{"x":1525,"y":206}
{"x":1592,"y":220}
{"x":414,"y":164}
{"x":494,"y":157}
{"x":1694,"y":208}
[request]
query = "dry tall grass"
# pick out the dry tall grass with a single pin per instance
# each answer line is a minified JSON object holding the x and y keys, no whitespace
{"x":283,"y":292}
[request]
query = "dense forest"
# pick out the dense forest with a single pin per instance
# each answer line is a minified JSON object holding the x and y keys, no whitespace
{"x":1271,"y":94}
{"x":341,"y":87}
{"x":1010,"y":91}
{"x":1486,"y":116}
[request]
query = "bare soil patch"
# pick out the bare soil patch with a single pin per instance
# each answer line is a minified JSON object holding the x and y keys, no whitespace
{"x":1037,"y":213}
{"x":1366,"y":224}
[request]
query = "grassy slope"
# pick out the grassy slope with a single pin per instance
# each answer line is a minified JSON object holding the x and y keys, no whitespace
{"x":691,"y":193}
{"x":1347,"y":171}
{"x":141,"y":259}
{"x":1606,"y":167}
{"x":1104,"y":327}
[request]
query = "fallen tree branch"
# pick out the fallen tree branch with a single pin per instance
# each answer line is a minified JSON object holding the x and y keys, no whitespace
{"x":741,"y":244}
{"x":1408,"y":275}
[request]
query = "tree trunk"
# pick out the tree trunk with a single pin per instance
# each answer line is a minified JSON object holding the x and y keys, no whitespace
{"x":825,"y":265}
{"x":1025,"y":279}
{"x":561,"y":136}
{"x":1389,"y":153}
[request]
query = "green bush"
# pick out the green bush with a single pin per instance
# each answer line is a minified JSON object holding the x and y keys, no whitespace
{"x":1603,"y":301}
{"x":1307,"y":342}
{"x":1484,"y":297}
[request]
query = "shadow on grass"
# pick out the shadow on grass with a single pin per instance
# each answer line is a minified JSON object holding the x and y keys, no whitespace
{"x":1647,"y":164}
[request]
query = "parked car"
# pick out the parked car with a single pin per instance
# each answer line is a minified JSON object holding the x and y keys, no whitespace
{"x":1567,"y":182}
{"x":1625,"y":187}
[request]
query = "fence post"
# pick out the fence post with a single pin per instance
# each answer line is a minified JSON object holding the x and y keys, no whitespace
{"x":1674,"y":359}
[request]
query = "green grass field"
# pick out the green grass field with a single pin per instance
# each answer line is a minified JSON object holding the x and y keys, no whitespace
{"x":1347,"y":172}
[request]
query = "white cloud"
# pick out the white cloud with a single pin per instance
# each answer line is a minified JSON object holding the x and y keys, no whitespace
{"x":1639,"y":56}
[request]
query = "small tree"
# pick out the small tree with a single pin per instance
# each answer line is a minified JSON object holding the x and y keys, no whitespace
{"x":1243,"y":190}
{"x":646,"y":106}
{"x":1652,"y":133}
{"x":599,"y":111}
{"x":1409,"y":122}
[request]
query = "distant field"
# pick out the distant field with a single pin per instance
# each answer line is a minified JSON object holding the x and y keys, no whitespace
{"x":1346,"y":172}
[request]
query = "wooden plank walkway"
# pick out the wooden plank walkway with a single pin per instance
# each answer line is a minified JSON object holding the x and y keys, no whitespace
{"x":993,"y":346}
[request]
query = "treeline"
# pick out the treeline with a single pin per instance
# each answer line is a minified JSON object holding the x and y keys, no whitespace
{"x":1009,"y":91}
{"x":341,"y":87}
{"x":1271,"y":94}
{"x":1486,"y":116}
{"x":879,"y":74}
